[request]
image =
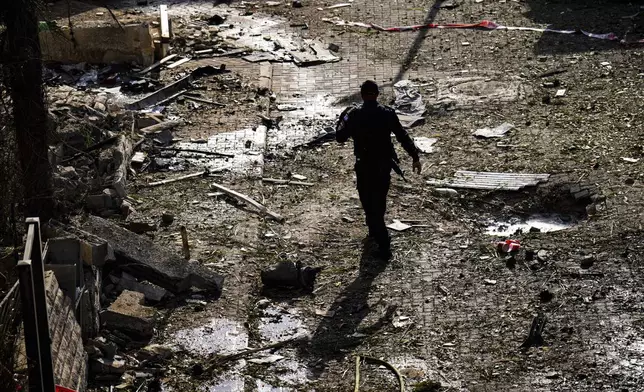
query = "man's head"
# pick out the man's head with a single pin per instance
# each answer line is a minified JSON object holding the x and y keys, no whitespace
{"x":369,"y":91}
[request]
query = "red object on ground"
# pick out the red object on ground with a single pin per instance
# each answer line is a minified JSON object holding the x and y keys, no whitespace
{"x":63,"y":389}
{"x":509,"y":246}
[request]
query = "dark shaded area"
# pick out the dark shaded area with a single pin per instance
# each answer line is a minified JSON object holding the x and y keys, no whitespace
{"x":599,"y":17}
{"x":418,"y":41}
{"x":334,"y":336}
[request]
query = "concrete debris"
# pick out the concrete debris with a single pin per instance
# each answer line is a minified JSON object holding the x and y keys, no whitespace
{"x":290,"y":275}
{"x":108,"y":349}
{"x":499,"y":131}
{"x":175,"y":89}
{"x":155,"y":353}
{"x":129,"y":315}
{"x":151,"y":292}
{"x":167,"y":218}
{"x":449,"y":192}
{"x":138,"y":159}
{"x":425,"y":144}
{"x":491,"y":181}
{"x":398,"y":226}
{"x":107,"y":366}
{"x":143,"y":259}
{"x":98,"y":44}
{"x":136,"y":223}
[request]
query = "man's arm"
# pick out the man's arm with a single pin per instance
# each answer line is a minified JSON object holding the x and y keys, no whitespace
{"x":342,"y":128}
{"x":403,"y":137}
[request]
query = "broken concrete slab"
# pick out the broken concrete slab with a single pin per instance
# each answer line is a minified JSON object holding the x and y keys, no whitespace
{"x":152,"y":292}
{"x":95,"y":43}
{"x":129,"y":315}
{"x":140,"y":257}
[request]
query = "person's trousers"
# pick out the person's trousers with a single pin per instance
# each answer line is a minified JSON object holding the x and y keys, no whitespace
{"x":373,"y":186}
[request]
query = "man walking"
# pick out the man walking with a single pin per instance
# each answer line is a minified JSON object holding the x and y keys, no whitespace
{"x":370,"y":126}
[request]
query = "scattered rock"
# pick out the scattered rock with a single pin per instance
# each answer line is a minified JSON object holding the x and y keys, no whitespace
{"x":542,"y":255}
{"x":347,"y":219}
{"x":297,"y":4}
{"x":126,"y":208}
{"x":334,"y":48}
{"x":587,"y":261}
{"x":447,"y":192}
{"x":107,"y":366}
{"x":155,"y":352}
{"x":128,"y":314}
{"x":289,"y":274}
{"x":489,"y":282}
{"x":552,"y":375}
{"x":545,"y":296}
{"x":216,"y":20}
{"x":167,"y":218}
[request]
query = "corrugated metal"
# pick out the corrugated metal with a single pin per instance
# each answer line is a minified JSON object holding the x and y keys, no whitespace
{"x":491,"y":181}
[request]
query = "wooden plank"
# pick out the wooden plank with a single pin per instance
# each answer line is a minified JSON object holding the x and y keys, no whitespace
{"x":219,"y":154}
{"x":178,"y":63}
{"x":163,"y":126}
{"x":248,"y":200}
{"x":165,"y":23}
{"x":286,"y":182}
{"x":197,"y":99}
{"x":157,"y":64}
{"x":171,"y":180}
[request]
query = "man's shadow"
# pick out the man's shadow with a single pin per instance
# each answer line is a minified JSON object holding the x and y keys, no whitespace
{"x":335,"y":336}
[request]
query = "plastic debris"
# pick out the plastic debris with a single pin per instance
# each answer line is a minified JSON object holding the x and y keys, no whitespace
{"x":499,"y":131}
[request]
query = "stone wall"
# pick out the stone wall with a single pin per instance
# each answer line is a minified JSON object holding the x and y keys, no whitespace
{"x":68,"y":353}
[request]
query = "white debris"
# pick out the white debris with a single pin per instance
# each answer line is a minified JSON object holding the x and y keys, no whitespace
{"x":425,"y":144}
{"x":398,"y":226}
{"x":499,"y":131}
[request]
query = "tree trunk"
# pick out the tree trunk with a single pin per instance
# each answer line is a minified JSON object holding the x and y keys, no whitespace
{"x":24,"y":68}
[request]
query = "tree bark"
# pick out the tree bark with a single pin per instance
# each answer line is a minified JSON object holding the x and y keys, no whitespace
{"x":25,"y":82}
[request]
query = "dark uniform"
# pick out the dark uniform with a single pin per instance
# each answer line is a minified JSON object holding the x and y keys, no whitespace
{"x":370,"y":125}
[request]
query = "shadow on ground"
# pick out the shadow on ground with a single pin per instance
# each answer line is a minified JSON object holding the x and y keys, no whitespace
{"x":338,"y":335}
{"x":599,"y":16}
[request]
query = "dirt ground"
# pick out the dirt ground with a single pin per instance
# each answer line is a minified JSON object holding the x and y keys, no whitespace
{"x":448,"y":310}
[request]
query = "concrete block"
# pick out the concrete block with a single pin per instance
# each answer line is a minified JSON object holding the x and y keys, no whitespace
{"x":151,"y":292}
{"x":95,"y":253}
{"x":63,"y":250}
{"x":99,"y":44}
{"x":128,"y":314}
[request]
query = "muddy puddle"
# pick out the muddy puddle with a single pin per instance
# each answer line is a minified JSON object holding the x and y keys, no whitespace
{"x":219,"y":336}
{"x":543,"y":223}
{"x":278,"y":324}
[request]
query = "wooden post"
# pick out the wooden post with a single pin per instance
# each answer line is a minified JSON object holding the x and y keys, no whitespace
{"x":33,"y":253}
{"x":186,"y":245}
